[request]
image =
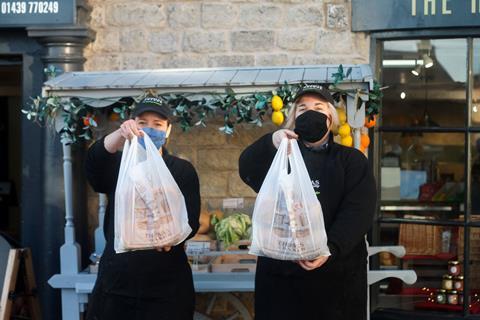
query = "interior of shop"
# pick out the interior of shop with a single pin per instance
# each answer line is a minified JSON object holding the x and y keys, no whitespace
{"x":428,"y":157}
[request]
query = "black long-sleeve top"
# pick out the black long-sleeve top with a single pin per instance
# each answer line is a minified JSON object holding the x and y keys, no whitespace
{"x":141,"y":273}
{"x":345,"y":187}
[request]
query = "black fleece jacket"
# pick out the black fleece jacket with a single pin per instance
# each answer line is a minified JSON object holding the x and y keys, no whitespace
{"x":345,"y":187}
{"x":140,"y":273}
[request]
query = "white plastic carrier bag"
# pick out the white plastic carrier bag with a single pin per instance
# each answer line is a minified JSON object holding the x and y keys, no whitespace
{"x":287,"y":219}
{"x":150,"y":209}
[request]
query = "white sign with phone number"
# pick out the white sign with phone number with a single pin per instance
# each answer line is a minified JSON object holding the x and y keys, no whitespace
{"x":30,"y":7}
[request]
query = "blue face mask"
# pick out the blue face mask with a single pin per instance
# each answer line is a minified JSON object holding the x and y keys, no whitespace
{"x":158,"y":137}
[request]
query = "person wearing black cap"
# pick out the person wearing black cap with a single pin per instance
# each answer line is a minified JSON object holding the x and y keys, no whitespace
{"x":330,"y":287}
{"x":145,"y":284}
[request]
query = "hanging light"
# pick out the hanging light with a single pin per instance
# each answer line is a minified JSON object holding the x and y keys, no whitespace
{"x":427,"y":61}
{"x":417,"y":70}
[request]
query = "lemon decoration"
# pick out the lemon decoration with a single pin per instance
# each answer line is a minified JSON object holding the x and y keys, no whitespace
{"x":344,"y":130}
{"x":347,"y":141}
{"x":277,"y":118}
{"x":277,"y":103}
{"x":342,"y":116}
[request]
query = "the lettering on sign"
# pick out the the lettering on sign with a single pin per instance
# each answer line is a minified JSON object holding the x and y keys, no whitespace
{"x":430,"y":7}
{"x":475,"y":6}
{"x":445,"y":10}
{"x":369,"y":15}
{"x":31,"y":7}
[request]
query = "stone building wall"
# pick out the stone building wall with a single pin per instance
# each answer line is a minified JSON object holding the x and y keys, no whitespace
{"x":191,"y":34}
{"x":153,"y":34}
{"x":215,"y":156}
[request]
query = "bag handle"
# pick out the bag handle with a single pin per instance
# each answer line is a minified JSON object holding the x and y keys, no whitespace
{"x":283,"y":155}
{"x":149,"y":146}
{"x":296,"y":161}
{"x":128,"y":155}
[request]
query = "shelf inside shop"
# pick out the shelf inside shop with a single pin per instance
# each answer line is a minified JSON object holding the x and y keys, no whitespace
{"x":445,"y":256}
{"x":419,"y":206}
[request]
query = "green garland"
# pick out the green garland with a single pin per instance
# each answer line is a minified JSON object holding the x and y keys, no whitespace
{"x":79,"y":119}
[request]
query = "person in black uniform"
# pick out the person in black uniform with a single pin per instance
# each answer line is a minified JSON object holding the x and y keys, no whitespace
{"x":331,"y":287}
{"x":144,"y":284}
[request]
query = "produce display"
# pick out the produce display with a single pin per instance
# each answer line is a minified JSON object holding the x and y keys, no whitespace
{"x":233,"y":228}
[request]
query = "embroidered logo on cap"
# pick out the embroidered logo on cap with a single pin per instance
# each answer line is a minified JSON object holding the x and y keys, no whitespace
{"x":153,"y":100}
{"x":312,"y":86}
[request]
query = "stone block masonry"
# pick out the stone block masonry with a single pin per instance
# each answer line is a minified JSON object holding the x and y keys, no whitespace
{"x":221,"y":33}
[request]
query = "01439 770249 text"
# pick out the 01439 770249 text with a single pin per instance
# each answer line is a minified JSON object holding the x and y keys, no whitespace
{"x":29,"y":7}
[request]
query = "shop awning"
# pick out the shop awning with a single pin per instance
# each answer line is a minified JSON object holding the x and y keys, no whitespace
{"x":117,"y":84}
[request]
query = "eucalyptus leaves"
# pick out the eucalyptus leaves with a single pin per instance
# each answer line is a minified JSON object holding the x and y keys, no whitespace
{"x":76,"y":119}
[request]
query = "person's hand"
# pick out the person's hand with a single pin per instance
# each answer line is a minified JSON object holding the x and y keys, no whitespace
{"x":310,"y":265}
{"x":166,"y":249}
{"x":115,"y":140}
{"x":129,"y":129}
{"x":278,"y":136}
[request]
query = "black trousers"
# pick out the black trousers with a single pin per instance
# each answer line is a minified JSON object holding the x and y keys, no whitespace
{"x":337,"y":292}
{"x":177,"y":304}
{"x":111,"y":306}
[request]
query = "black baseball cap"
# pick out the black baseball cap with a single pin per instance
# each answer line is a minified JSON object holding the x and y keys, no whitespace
{"x":152,"y":104}
{"x":317,"y":89}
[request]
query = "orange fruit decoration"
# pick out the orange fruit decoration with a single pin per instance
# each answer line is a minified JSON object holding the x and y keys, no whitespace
{"x":87,"y":120}
{"x":114,"y":116}
{"x":364,"y":140}
{"x":370,"y":121}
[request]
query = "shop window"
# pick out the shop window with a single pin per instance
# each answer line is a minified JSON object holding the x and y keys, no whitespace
{"x":427,"y":151}
{"x":426,"y":82}
{"x":422,"y":175}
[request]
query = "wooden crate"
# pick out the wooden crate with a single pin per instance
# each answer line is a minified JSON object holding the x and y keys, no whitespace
{"x":234,"y":263}
{"x":474,"y":244}
{"x":420,"y":239}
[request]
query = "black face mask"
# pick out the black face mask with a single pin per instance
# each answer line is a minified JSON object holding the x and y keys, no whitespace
{"x":311,"y":126}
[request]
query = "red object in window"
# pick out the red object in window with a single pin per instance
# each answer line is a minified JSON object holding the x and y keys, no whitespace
{"x":428,"y":190}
